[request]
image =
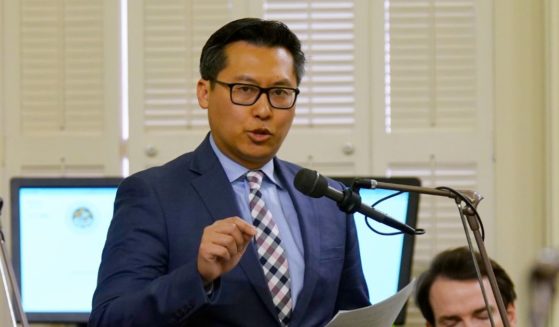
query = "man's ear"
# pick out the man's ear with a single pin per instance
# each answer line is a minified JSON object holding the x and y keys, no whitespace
{"x":203,"y":93}
{"x":511,"y":314}
{"x":427,"y":324}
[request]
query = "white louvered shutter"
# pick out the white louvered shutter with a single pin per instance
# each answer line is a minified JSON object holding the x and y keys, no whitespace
{"x":165,"y":41}
{"x":329,"y":133}
{"x":62,"y":87}
{"x":437,"y":114}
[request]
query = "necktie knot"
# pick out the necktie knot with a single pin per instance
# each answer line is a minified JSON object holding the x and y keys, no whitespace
{"x":255,"y":178}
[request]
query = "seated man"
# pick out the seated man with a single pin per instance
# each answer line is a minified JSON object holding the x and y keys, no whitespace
{"x":449,"y":294}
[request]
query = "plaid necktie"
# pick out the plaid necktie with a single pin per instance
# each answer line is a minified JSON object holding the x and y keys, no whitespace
{"x":268,"y":244}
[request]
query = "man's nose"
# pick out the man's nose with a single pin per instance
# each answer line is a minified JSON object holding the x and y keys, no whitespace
{"x":262,"y":107}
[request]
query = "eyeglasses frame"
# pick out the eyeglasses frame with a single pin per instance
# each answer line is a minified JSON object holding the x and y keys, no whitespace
{"x":261,"y":90}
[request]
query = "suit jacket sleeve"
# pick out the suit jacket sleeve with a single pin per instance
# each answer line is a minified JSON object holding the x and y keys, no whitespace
{"x":135,"y":286}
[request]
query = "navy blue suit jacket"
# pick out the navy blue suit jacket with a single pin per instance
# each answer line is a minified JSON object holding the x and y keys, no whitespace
{"x":148,"y":274}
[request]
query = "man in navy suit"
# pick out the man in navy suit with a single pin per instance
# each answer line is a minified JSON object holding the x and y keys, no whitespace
{"x":180,"y":250}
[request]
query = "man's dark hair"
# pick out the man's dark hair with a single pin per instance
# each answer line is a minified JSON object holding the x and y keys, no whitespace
{"x":255,"y":31}
{"x":457,"y":264}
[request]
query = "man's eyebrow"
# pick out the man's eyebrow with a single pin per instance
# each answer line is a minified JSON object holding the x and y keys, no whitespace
{"x":484,"y":310}
{"x":448,"y":318}
{"x":247,"y":79}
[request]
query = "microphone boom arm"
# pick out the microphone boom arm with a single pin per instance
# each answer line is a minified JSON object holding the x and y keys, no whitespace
{"x":473,"y":197}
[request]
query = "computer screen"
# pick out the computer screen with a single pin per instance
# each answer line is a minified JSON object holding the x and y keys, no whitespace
{"x":386,"y":260}
{"x":59,"y":227}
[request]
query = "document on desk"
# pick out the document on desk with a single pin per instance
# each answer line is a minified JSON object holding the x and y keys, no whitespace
{"x":382,"y":314}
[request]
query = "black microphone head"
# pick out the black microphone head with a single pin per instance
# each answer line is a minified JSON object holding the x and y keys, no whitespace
{"x":311,"y":183}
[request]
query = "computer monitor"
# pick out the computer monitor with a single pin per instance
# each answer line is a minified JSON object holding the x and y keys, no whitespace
{"x":386,"y":260}
{"x":59,"y":227}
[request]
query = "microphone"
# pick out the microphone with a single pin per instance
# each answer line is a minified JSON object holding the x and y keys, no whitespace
{"x":311,"y":183}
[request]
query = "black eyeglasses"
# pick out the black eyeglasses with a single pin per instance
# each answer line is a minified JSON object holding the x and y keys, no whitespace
{"x":247,"y":94}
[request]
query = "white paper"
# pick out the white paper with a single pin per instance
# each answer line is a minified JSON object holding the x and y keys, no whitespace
{"x":382,"y":314}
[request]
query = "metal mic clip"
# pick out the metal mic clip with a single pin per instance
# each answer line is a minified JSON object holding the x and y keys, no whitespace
{"x":363,"y":183}
{"x":474,"y":199}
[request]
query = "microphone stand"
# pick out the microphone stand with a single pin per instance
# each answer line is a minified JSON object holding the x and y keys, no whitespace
{"x":8,"y":281}
{"x":471,"y":200}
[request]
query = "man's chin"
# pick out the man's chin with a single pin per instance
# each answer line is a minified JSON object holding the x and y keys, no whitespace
{"x":256,"y":159}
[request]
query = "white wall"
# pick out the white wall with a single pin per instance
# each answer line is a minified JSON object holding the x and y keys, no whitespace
{"x":520,"y":139}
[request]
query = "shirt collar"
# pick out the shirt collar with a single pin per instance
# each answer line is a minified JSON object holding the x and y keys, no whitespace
{"x":234,"y":170}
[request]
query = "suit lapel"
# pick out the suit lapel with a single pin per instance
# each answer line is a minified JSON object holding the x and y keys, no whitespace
{"x":309,"y":224}
{"x":216,"y":193}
